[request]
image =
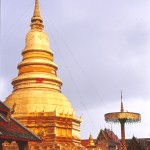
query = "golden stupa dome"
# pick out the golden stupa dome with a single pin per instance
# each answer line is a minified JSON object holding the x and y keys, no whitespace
{"x":37,"y":87}
{"x":37,"y":100}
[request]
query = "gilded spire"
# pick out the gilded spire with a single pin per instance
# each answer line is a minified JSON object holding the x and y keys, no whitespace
{"x":36,"y":9}
{"x":122,"y":109}
{"x":36,"y":20}
{"x":38,"y":74}
{"x":37,"y":91}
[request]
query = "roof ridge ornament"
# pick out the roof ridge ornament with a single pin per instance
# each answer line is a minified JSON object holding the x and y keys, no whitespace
{"x":11,"y":111}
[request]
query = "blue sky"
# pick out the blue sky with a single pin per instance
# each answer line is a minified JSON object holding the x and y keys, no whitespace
{"x":100,"y":46}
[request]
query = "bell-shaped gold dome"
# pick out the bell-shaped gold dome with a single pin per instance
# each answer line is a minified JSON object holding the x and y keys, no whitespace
{"x":37,"y":40}
{"x":37,"y":87}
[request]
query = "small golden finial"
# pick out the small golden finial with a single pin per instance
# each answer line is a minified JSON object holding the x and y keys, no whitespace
{"x":122,"y":109}
{"x":91,"y":141}
{"x":36,"y":20}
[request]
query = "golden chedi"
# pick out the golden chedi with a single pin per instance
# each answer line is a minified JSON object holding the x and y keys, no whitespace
{"x":40,"y":105}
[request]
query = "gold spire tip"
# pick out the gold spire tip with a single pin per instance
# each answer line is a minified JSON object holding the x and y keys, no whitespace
{"x":36,"y":20}
{"x":36,"y":9}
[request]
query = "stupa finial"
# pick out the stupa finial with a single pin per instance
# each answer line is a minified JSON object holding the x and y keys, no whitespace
{"x":36,"y":9}
{"x":122,"y":109}
{"x":91,"y":141}
{"x":36,"y":20}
